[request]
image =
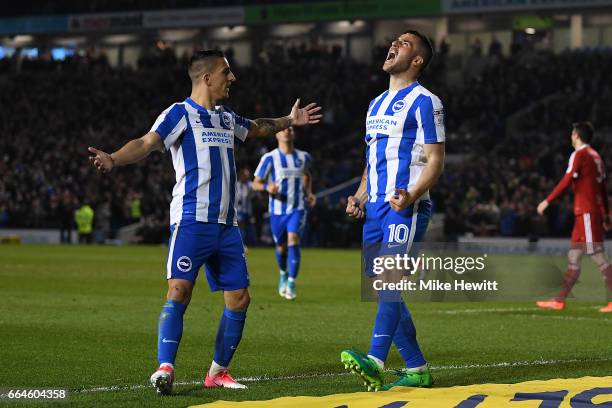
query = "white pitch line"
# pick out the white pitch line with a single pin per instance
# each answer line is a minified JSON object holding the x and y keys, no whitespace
{"x":497,"y":310}
{"x":503,"y":364}
{"x":592,"y":319}
{"x":473,"y":311}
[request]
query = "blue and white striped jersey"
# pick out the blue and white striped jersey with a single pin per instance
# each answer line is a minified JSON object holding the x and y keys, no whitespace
{"x":202,"y":146}
{"x":398,"y":125}
{"x":288,"y":171}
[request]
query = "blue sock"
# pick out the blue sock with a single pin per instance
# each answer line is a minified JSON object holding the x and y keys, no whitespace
{"x":281,"y":259}
{"x":170,"y":330}
{"x":228,"y":336}
{"x":385,"y":325}
{"x":405,"y":340}
{"x":293,"y":259}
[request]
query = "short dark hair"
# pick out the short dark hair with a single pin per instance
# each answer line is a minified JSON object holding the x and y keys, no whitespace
{"x":202,"y":60}
{"x":585,"y":131}
{"x":425,"y":47}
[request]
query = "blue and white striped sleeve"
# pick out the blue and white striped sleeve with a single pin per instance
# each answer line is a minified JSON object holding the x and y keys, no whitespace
{"x":170,"y":124}
{"x":242,"y":127}
{"x":264,"y":167}
{"x":431,"y":113}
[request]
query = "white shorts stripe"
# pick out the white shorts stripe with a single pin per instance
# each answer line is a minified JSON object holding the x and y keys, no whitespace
{"x":171,"y":251}
{"x":588,"y":232}
{"x":413,"y":224}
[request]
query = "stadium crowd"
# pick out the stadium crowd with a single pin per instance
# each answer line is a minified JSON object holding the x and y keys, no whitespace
{"x":507,"y":123}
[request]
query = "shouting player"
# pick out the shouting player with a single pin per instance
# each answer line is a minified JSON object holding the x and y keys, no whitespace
{"x":586,"y":172}
{"x":200,"y":136}
{"x":405,"y":156}
{"x":285,"y":174}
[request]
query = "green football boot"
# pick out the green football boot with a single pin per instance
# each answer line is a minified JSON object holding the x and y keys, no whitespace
{"x":421,"y":379}
{"x":366,"y":368}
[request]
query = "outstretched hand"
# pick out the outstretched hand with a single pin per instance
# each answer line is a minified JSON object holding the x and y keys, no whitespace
{"x":305,"y":116}
{"x":101,"y":160}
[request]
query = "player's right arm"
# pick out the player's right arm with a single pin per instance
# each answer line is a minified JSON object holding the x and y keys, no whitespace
{"x":262,"y":174}
{"x":170,"y":124}
{"x":355,"y":206}
{"x":260,"y":184}
{"x":132,"y":152}
{"x":573,"y":170}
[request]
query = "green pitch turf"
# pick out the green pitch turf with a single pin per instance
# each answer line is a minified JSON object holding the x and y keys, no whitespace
{"x":85,"y":318}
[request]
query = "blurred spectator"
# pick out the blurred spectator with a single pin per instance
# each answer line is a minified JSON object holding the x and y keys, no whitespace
{"x":84,"y":217}
{"x":508,"y":152}
{"x":65,"y":216}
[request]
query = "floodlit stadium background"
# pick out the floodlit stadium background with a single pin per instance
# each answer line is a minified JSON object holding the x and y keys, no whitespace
{"x":75,"y":74}
{"x":512,"y":80}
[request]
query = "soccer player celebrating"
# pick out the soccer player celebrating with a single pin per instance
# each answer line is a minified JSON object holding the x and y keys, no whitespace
{"x":586,"y":172}
{"x":200,"y":136}
{"x":405,"y":156}
{"x":285,"y":174}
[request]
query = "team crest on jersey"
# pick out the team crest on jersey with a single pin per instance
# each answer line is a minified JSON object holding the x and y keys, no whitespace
{"x":228,"y":120}
{"x":184,"y":264}
{"x":298,"y":162}
{"x":398,"y":106}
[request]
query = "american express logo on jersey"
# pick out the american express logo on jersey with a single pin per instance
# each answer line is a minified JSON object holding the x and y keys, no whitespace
{"x":289,"y":173}
{"x":218,"y":137}
{"x":380,"y":123}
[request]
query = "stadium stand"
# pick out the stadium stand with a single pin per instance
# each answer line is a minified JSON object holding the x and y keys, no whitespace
{"x":508,"y":123}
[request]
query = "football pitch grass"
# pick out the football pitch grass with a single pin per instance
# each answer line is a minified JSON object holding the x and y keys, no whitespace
{"x":85,"y":319}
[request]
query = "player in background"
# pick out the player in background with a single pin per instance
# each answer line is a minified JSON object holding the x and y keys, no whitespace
{"x":586,"y":173}
{"x":405,"y":156}
{"x":244,"y":206}
{"x":285,"y":174}
{"x":200,"y":135}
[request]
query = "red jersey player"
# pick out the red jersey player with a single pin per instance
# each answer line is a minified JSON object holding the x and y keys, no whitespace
{"x":586,"y":173}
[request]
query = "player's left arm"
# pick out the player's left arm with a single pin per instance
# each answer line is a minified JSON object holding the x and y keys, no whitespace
{"x":311,"y":199}
{"x":430,"y":121}
{"x":308,"y":115}
{"x":433,"y":169}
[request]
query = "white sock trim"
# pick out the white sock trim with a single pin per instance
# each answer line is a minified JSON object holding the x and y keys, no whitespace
{"x":215,"y":369}
{"x":419,"y":369}
{"x":378,"y":361}
{"x":291,"y":279}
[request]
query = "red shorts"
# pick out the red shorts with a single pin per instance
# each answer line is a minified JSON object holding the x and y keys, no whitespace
{"x":588,"y":233}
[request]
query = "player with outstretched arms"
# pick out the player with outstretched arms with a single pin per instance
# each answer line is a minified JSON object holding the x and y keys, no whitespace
{"x":200,"y":135}
{"x":285,"y":174}
{"x":405,"y":156}
{"x":586,"y":172}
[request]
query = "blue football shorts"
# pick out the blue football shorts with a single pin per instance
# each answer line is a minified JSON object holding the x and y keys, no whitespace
{"x":218,"y":247}
{"x":390,"y":232}
{"x":285,"y":223}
